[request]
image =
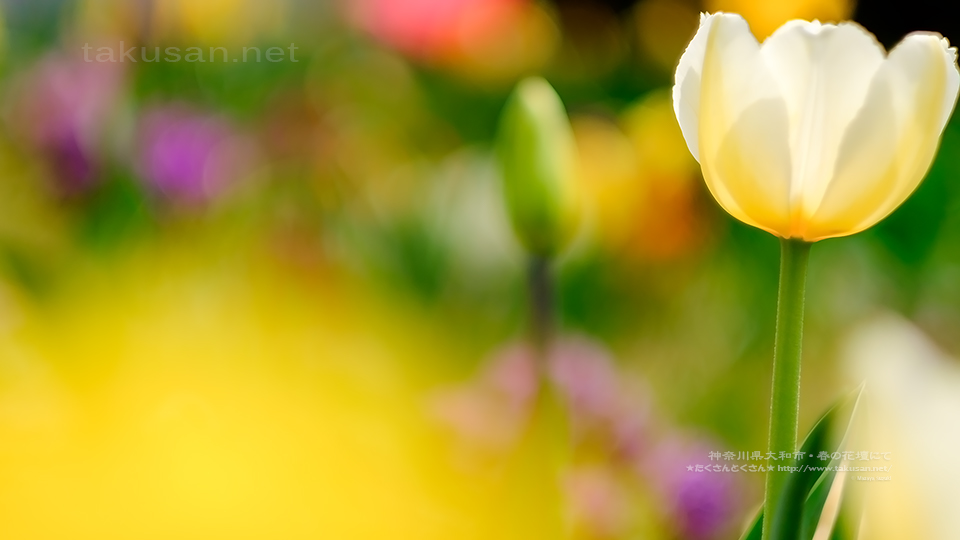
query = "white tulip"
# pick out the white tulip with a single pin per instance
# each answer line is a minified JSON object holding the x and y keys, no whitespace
{"x":816,"y":133}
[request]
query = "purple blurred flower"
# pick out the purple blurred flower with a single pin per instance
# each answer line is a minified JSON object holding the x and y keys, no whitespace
{"x":74,"y":164}
{"x":63,"y":107}
{"x":191,"y":157}
{"x":702,"y":505}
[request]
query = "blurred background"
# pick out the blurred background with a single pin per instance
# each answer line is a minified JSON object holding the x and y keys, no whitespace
{"x":283,"y":299}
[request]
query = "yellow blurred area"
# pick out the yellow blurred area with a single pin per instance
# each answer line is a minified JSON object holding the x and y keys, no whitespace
{"x":641,"y":181}
{"x":219,"y":22}
{"x":28,"y":219}
{"x":765,"y":17}
{"x":110,"y":18}
{"x":167,"y":397}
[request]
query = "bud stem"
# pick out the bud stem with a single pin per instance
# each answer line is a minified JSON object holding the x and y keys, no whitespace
{"x":540,"y":457}
{"x":541,"y":305}
{"x":785,"y":398}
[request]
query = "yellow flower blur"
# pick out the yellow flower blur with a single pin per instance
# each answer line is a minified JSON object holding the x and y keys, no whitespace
{"x":816,"y":133}
{"x":640,"y":185}
{"x":765,"y":16}
{"x":219,"y":22}
{"x":161,"y":397}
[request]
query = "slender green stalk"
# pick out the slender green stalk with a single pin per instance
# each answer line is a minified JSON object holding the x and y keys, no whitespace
{"x":548,"y":411}
{"x":785,"y":397}
{"x":541,"y":305}
{"x":532,"y":500}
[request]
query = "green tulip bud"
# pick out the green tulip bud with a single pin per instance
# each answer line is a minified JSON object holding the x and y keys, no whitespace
{"x":537,"y":157}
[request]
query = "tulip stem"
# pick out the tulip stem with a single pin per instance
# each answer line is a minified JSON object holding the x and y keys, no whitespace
{"x":541,"y":457}
{"x":541,"y":304}
{"x":785,"y":397}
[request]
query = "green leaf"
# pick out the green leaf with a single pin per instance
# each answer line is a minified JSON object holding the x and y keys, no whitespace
{"x":755,"y":530}
{"x":847,"y":526}
{"x":813,"y":508}
{"x":806,"y":492}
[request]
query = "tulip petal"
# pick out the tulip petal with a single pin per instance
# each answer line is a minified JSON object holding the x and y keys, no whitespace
{"x":824,"y":73}
{"x":891,"y":144}
{"x":686,"y":88}
{"x":743,"y":127}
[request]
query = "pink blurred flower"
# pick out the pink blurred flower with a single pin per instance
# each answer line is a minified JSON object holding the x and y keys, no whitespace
{"x":586,"y":376}
{"x":490,"y":411}
{"x":599,"y":503}
{"x":610,"y":413}
{"x":433,"y":29}
{"x":63,"y":107}
{"x":493,"y":408}
{"x":603,"y":401}
{"x":191,"y":157}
